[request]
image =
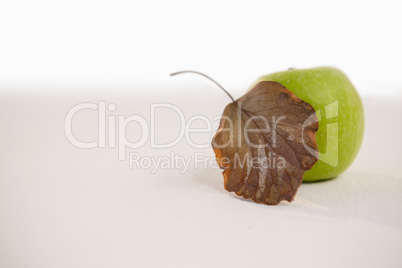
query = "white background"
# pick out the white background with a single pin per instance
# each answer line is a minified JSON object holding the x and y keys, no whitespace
{"x":236,"y":42}
{"x":61,"y":206}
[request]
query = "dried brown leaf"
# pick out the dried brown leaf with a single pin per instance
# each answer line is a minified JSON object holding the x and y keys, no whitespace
{"x":265,"y":143}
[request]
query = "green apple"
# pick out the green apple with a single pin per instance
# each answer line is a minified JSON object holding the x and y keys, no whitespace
{"x":339,"y":111}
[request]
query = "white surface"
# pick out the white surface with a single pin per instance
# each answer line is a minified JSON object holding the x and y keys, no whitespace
{"x":61,"y":206}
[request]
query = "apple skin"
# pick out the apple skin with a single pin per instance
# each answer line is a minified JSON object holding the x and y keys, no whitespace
{"x":321,"y":87}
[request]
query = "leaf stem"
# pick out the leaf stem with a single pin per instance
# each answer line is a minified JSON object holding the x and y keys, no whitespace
{"x":195,"y":72}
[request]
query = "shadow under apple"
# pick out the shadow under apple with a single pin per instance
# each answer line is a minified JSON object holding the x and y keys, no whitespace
{"x":367,"y":197}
